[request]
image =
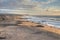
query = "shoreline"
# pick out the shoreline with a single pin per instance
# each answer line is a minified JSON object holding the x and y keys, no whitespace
{"x":23,"y":29}
{"x":33,"y":24}
{"x":46,"y":27}
{"x":42,"y":21}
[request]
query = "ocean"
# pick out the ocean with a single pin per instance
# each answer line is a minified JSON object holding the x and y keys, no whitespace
{"x":45,"y":20}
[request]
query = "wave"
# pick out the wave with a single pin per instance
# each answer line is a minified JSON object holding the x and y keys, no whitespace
{"x":44,"y":21}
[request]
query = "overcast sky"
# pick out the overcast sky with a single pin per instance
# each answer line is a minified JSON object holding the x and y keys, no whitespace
{"x":31,"y":6}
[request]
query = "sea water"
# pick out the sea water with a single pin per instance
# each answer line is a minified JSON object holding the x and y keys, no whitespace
{"x":45,"y":20}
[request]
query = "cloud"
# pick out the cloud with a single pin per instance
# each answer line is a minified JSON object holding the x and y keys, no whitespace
{"x":49,"y":1}
{"x":41,"y":3}
{"x":23,"y":4}
{"x":44,"y":2}
{"x":15,"y":4}
{"x":26,"y":6}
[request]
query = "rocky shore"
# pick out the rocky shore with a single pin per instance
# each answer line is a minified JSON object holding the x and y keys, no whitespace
{"x":17,"y":28}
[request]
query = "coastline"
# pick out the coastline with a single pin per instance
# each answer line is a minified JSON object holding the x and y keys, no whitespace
{"x":24,"y":29}
{"x":47,"y":27}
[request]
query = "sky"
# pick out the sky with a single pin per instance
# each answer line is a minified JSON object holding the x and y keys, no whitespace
{"x":34,"y":7}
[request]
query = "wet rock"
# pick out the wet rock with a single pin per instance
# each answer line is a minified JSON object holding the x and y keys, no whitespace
{"x":39,"y":26}
{"x":2,"y":35}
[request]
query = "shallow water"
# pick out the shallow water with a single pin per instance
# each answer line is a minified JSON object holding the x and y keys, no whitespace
{"x":51,"y":21}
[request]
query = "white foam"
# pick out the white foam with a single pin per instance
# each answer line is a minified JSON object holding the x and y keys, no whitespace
{"x":44,"y":21}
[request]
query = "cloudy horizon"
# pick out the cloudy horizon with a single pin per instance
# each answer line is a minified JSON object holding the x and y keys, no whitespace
{"x":34,"y":7}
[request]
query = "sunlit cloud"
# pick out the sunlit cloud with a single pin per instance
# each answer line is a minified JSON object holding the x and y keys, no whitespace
{"x":44,"y":2}
{"x":28,"y":6}
{"x":23,"y":4}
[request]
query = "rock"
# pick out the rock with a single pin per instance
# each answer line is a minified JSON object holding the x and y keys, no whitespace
{"x":2,"y":35}
{"x":39,"y":26}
